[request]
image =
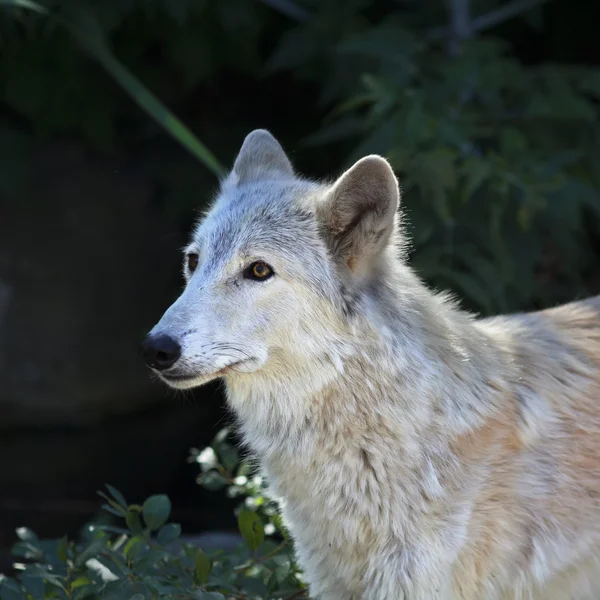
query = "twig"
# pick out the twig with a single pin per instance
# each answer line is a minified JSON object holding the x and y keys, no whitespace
{"x":289,"y":9}
{"x":273,"y":552}
{"x":298,"y":594}
{"x":504,"y":13}
{"x":488,"y":20}
{"x":460,"y":28}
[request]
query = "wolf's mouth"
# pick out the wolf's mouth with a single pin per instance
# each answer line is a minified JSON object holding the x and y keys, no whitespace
{"x":201,"y":377}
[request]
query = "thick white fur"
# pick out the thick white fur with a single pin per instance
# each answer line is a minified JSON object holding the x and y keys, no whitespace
{"x":417,"y":453}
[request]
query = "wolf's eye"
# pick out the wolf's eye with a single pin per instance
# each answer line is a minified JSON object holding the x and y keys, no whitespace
{"x":192,"y":262}
{"x":259,"y":271}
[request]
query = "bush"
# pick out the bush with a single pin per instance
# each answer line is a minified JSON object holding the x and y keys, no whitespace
{"x":497,"y":153}
{"x":141,"y":556}
{"x":497,"y":158}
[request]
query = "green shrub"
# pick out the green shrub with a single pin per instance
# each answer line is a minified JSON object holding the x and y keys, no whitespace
{"x":497,"y":154}
{"x":498,"y":159}
{"x":141,"y":556}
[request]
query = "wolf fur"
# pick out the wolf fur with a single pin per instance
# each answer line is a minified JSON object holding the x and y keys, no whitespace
{"x":417,"y":452}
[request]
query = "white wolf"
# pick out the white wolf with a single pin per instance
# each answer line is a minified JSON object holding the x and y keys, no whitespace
{"x":417,"y":452}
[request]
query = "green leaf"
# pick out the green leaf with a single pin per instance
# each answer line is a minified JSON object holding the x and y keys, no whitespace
{"x":62,"y":548}
{"x":135,"y":547}
{"x":221,"y":436}
{"x":476,"y":171}
{"x":116,"y":494}
{"x":438,"y":168}
{"x":116,"y":507}
{"x":212,"y":481}
{"x":296,"y":47}
{"x":513,"y":143}
{"x":132,"y":518}
{"x":156,"y":511}
{"x":253,"y":587}
{"x":340,"y":130}
{"x":33,"y":585}
{"x":386,"y":42}
{"x":92,"y":550}
{"x":168,"y":533}
{"x":81,"y":582}
{"x":113,"y":511}
{"x":28,"y":4}
{"x":202,"y":567}
{"x":251,"y":528}
{"x":228,"y":456}
{"x":11,"y":590}
{"x":90,"y":36}
{"x":25,"y":534}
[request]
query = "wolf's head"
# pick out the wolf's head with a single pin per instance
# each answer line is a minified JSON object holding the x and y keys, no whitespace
{"x":275,"y":269}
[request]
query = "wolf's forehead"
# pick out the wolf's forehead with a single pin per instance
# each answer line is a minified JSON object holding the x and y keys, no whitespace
{"x":271,"y":216}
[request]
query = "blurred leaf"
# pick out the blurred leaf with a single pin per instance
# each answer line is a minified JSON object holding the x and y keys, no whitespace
{"x":290,"y":9}
{"x":251,"y":528}
{"x":135,"y":547}
{"x":295,"y":48}
{"x":25,"y":534}
{"x":477,"y":171}
{"x":156,"y":511}
{"x":11,"y":590}
{"x":33,"y":586}
{"x":201,"y":568}
{"x":512,"y":142}
{"x":113,"y":511}
{"x":253,"y":586}
{"x":228,"y":456}
{"x":342,"y":129}
{"x":168,"y":533}
{"x":212,"y":481}
{"x":132,"y":518}
{"x":438,"y":168}
{"x":92,"y":550}
{"x":387,"y":43}
{"x":63,"y":549}
{"x":89,"y":34}
{"x":116,"y":494}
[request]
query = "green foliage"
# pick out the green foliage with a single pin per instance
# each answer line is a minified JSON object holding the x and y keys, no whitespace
{"x":497,"y":156}
{"x":498,"y":160}
{"x":84,"y":27}
{"x":144,"y":557}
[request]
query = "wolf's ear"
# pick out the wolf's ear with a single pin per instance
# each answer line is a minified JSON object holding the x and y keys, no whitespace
{"x":359,"y":212}
{"x":261,"y":157}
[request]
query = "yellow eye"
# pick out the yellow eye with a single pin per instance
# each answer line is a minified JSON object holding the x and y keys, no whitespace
{"x":192,"y":262}
{"x":259,"y":271}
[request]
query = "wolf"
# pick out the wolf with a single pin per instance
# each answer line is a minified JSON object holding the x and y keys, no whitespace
{"x":417,"y":451}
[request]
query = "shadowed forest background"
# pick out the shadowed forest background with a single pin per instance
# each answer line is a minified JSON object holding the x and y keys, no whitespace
{"x":488,"y":110}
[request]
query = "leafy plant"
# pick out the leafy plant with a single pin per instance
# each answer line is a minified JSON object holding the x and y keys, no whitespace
{"x":142,"y":556}
{"x":497,"y":153}
{"x":497,"y":158}
{"x":88,"y":33}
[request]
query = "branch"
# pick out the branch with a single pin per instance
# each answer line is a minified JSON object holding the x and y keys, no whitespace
{"x":460,"y":25}
{"x":289,"y":9}
{"x":504,"y":13}
{"x":487,"y":21}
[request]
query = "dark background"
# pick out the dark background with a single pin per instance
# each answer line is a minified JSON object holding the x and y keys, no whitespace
{"x":492,"y":126}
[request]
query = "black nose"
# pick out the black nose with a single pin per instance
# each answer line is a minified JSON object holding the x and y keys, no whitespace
{"x":160,"y":351}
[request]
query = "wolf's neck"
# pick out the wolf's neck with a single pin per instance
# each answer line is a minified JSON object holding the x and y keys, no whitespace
{"x":427,"y":366}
